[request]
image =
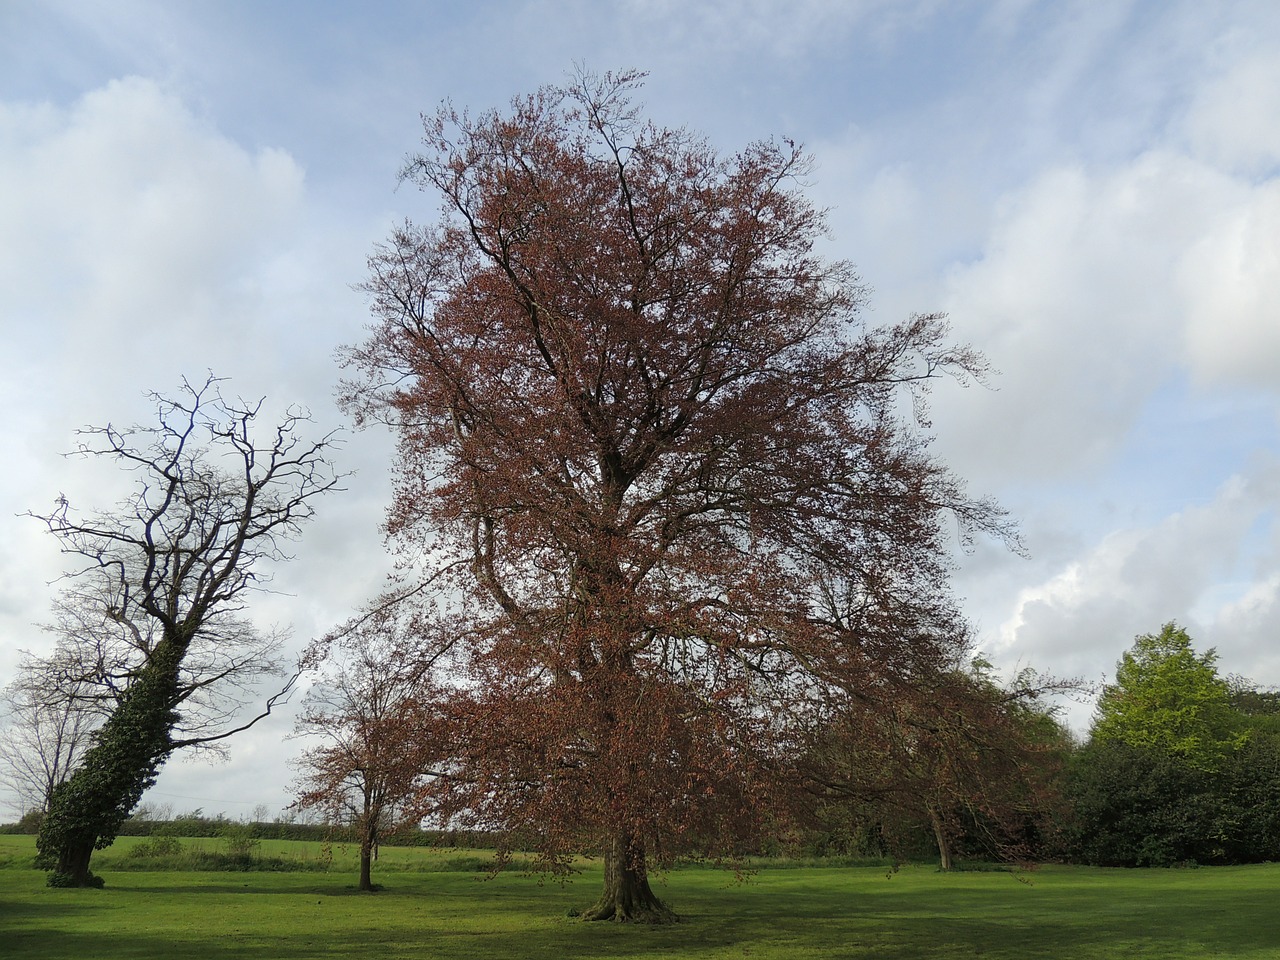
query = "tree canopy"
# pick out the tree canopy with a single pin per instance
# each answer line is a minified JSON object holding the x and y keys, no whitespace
{"x":684,"y":494}
{"x":1168,"y":697}
{"x":366,"y":709}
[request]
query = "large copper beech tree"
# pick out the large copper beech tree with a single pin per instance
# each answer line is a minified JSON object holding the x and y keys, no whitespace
{"x":682,"y":491}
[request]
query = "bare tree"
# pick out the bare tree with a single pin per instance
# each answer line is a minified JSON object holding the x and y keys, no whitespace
{"x":98,"y":654}
{"x":46,"y":732}
{"x":172,"y":567}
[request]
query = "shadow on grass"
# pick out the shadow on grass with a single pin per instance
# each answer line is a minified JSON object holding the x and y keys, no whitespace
{"x":1132,"y":915}
{"x":920,"y":940}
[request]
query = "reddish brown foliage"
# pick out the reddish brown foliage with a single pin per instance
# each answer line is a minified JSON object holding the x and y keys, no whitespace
{"x":368,"y":709}
{"x":965,"y":758}
{"x":644,"y":436}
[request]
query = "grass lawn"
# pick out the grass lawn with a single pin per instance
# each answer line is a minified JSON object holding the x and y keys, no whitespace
{"x":426,"y":911}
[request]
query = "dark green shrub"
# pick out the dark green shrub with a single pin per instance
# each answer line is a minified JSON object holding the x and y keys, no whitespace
{"x":1141,"y":807}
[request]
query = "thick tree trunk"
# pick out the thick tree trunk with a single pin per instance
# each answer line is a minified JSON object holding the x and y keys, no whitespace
{"x":87,"y":808}
{"x":944,"y":843}
{"x":73,"y":865}
{"x":368,"y":840}
{"x":627,"y":896}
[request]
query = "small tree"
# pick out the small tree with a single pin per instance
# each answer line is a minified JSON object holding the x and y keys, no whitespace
{"x":171,"y":567}
{"x":368,"y":706}
{"x":645,"y":438}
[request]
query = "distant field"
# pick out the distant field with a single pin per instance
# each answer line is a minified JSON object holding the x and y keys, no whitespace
{"x":437,"y":905}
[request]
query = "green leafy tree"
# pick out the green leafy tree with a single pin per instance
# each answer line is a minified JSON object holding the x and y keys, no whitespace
{"x":1170,"y":698}
{"x":1181,"y":765}
{"x":1251,"y":780}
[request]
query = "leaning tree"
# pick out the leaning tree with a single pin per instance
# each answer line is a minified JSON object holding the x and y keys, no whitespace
{"x":165,"y":576}
{"x":61,"y":697}
{"x":685,"y":496}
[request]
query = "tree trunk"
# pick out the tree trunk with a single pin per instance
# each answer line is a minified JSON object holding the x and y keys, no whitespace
{"x":368,"y":824}
{"x":73,"y":865}
{"x":366,"y":878}
{"x":87,"y":809}
{"x":367,"y":840}
{"x":627,"y":897}
{"x":944,"y":844}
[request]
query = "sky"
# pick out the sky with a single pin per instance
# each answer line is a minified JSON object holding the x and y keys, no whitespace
{"x":1090,"y":190}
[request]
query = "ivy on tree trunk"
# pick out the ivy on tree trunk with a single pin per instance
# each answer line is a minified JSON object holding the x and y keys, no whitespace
{"x":86,"y":810}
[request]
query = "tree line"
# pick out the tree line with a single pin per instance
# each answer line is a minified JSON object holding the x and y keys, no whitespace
{"x":1179,"y":766}
{"x":673,"y":549}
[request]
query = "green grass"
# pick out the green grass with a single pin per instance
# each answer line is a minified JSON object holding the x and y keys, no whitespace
{"x":428,"y":911}
{"x":305,"y":856}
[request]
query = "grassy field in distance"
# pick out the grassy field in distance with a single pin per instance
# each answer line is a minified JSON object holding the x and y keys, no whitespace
{"x":436,"y":904}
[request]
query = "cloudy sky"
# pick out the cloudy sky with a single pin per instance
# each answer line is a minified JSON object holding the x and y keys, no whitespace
{"x":1091,"y":190}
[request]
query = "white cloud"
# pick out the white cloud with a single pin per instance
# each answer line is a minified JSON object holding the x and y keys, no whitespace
{"x":1210,"y":567}
{"x":139,"y":244}
{"x":1234,"y":118}
{"x":134,"y":229}
{"x":1251,"y":624}
{"x":1230,"y":281}
{"x":1068,"y":302}
{"x":1096,"y":287}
